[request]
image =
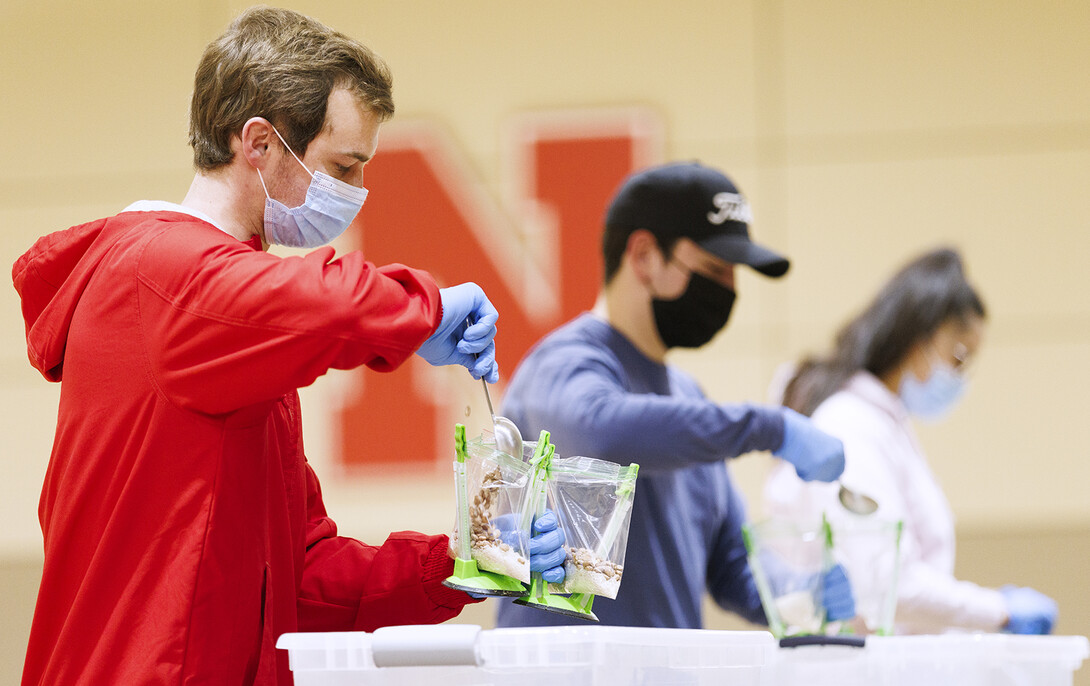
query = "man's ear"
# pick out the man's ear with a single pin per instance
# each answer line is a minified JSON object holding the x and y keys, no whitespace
{"x":256,"y":142}
{"x":642,"y":252}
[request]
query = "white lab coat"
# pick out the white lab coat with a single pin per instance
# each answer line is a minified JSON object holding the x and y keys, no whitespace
{"x":885,"y":461}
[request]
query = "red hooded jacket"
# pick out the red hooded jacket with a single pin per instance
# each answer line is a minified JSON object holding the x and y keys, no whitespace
{"x":184,"y":530}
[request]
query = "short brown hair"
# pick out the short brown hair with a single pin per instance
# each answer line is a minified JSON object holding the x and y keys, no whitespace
{"x":280,"y":65}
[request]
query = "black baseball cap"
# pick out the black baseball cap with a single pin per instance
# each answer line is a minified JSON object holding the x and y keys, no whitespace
{"x":689,"y":200}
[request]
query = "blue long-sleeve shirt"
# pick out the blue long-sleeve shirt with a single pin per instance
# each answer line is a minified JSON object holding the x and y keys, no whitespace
{"x":598,"y":396}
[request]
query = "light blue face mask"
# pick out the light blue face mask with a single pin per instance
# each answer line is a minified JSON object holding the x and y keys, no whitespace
{"x":934,"y":398}
{"x":330,"y":207}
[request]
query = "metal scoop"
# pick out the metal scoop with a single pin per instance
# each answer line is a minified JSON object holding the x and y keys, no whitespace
{"x":508,"y":436}
{"x":857,"y":503}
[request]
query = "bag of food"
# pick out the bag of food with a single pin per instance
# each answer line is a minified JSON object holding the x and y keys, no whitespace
{"x":789,"y":558}
{"x":592,"y":500}
{"x":492,"y":491}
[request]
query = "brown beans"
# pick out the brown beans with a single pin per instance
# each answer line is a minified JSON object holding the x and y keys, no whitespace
{"x":585,"y":559}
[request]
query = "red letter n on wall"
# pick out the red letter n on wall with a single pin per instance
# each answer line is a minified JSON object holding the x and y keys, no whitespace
{"x":537,"y":255}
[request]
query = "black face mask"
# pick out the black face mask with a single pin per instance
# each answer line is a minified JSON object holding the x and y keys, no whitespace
{"x":693,"y":319}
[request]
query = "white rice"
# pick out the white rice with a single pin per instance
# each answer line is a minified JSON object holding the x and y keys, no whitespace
{"x":492,"y":558}
{"x":578,"y":580}
{"x":798,"y":613}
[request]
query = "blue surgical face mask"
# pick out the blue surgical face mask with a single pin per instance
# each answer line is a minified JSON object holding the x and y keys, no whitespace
{"x":329,"y":208}
{"x":932,"y":399}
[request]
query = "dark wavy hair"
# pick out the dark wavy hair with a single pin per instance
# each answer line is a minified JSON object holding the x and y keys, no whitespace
{"x":921,"y":297}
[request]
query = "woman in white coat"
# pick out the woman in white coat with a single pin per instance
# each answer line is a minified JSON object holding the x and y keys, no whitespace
{"x":904,"y":357}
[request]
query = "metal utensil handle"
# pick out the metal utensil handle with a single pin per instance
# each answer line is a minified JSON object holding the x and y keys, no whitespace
{"x":488,"y":397}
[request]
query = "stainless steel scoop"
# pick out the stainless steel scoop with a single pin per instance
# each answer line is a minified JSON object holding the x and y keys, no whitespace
{"x":508,"y":436}
{"x":857,"y":503}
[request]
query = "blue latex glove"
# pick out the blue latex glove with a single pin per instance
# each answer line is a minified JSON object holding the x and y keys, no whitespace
{"x":836,"y":595}
{"x":546,"y":547}
{"x":547,"y":552}
{"x":455,"y":341}
{"x":1029,"y":611}
{"x":816,"y":455}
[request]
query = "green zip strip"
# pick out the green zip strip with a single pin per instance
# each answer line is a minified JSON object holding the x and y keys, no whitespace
{"x":890,"y":608}
{"x":775,"y":623}
{"x":542,"y":464}
{"x":628,"y":480}
{"x":461,"y":456}
{"x":625,"y":489}
{"x":826,"y":565}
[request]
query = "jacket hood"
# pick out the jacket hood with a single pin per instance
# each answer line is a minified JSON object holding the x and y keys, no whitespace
{"x":51,"y":278}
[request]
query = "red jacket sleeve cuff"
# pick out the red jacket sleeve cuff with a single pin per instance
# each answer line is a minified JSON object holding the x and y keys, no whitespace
{"x":438,"y":567}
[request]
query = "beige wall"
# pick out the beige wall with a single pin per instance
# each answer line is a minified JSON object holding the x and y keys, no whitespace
{"x":862,"y":132}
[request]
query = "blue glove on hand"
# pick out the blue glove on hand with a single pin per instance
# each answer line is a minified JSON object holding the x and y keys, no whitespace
{"x":1029,"y":611}
{"x":816,"y":455}
{"x":547,"y":552}
{"x":836,"y":595}
{"x":456,"y":341}
{"x":546,"y":547}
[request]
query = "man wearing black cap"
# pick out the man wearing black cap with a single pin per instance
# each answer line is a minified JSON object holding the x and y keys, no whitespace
{"x":600,"y":385}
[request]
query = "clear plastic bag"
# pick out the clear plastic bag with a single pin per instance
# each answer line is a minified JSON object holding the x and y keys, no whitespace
{"x":788,"y":559}
{"x":592,"y":500}
{"x":497,"y":491}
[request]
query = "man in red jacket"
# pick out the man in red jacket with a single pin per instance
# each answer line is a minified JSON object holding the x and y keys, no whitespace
{"x":184,"y":530}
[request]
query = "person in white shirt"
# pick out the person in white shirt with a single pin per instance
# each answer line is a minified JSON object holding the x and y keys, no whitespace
{"x":904,"y":356}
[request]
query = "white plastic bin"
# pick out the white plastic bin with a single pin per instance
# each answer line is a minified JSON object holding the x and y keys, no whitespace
{"x":463,"y":655}
{"x":946,"y":660}
{"x":979,"y":659}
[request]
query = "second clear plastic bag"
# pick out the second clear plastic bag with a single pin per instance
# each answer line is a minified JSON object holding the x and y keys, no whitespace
{"x":497,"y":487}
{"x":592,"y":500}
